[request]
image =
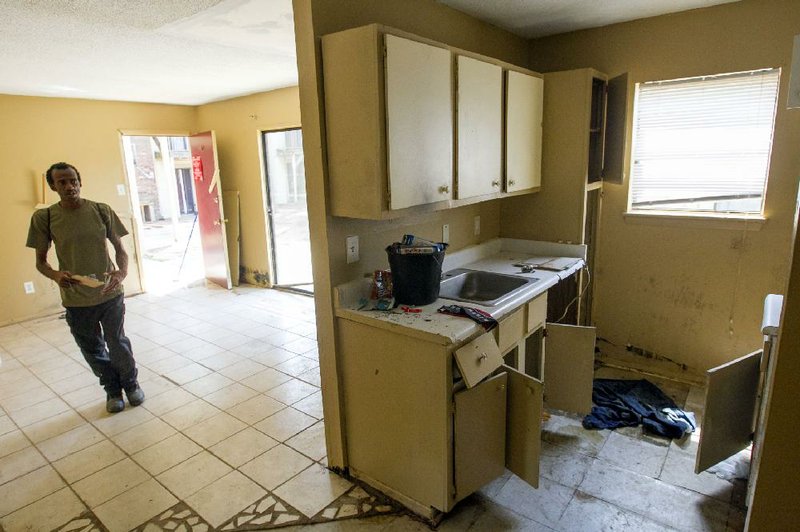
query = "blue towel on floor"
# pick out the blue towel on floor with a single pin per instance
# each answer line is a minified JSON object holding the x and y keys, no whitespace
{"x":624,"y":403}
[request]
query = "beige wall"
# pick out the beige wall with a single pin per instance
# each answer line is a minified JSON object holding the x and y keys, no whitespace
{"x":774,"y":505}
{"x":691,"y":292}
{"x":238,"y":124}
{"x":36,"y":132}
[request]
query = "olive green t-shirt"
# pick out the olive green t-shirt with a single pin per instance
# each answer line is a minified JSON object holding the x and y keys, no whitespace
{"x":80,"y":237}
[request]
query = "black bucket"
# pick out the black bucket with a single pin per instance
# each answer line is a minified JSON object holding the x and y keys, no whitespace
{"x":415,"y":276}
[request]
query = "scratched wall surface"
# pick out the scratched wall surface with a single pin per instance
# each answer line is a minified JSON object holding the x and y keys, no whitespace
{"x":691,"y":291}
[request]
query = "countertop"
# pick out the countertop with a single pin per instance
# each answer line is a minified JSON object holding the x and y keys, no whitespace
{"x":498,"y":256}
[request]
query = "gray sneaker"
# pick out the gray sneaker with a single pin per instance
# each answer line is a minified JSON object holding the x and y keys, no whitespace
{"x":135,"y":396}
{"x":114,"y":404}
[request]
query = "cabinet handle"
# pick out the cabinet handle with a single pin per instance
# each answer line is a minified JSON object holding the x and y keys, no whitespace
{"x":495,"y":183}
{"x":511,"y":182}
{"x":444,"y":189}
{"x":483,"y":357}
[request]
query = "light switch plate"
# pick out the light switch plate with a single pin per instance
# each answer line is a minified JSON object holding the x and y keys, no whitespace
{"x":352,"y":249}
{"x":29,"y":288}
{"x":121,"y":190}
{"x":446,"y":233}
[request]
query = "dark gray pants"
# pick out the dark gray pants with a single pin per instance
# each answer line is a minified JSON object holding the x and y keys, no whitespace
{"x":98,"y":331}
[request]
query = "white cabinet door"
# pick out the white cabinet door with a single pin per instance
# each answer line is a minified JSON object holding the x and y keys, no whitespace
{"x":480,"y":127}
{"x":480,"y":434}
{"x":524,"y":99}
{"x":419,"y":123}
{"x":569,"y":368}
{"x":523,"y":426}
{"x":730,"y":406}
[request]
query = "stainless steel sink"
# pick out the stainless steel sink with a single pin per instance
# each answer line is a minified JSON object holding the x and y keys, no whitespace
{"x":479,"y":287}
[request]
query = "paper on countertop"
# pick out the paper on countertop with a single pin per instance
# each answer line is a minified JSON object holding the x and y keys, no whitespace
{"x":552,"y":263}
{"x":559,"y":264}
{"x":91,"y":282}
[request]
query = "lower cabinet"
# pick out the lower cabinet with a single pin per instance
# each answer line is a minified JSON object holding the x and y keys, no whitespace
{"x":497,"y":427}
{"x":429,"y":422}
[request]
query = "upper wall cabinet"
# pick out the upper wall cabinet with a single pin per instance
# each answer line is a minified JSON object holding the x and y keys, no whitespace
{"x":524,"y":95}
{"x":400,"y":110}
{"x":389,"y":120}
{"x":419,"y":122}
{"x":480,"y":127}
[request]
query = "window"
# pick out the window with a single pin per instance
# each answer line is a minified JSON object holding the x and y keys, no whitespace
{"x":702,"y":145}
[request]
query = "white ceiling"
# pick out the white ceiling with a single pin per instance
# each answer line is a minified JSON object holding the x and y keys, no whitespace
{"x":165,"y":51}
{"x":197,"y":51}
{"x":539,"y":18}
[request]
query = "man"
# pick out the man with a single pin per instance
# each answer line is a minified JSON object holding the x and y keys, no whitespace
{"x":91,"y":287}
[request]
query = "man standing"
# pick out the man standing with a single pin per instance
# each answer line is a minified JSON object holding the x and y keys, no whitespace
{"x":91,"y":287}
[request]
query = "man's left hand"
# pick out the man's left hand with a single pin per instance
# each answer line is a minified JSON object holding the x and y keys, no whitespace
{"x":113,"y":281}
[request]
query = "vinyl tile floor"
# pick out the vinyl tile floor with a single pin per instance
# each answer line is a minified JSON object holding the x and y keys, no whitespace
{"x":231,"y":437}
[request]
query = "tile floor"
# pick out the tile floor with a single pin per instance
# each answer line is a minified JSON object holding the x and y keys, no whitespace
{"x":231,"y":437}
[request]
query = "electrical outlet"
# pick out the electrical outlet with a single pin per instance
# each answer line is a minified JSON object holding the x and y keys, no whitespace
{"x":476,"y":225}
{"x":121,"y":190}
{"x":29,"y":288}
{"x":446,"y":233}
{"x":352,"y":249}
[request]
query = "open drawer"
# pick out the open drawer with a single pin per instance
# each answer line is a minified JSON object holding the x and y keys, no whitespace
{"x":497,"y":426}
{"x":478,"y":359}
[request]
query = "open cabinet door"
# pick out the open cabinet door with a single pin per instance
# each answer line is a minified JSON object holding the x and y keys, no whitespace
{"x":730,"y":405}
{"x":480,"y":434}
{"x":569,"y":368}
{"x":615,"y":162}
{"x":523,"y":425}
{"x":210,"y":217}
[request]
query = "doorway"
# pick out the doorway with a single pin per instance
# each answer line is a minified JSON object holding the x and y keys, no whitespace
{"x":287,"y":211}
{"x":164,"y":206}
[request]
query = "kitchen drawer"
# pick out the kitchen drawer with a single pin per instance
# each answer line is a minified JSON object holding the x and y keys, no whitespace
{"x":510,"y":330}
{"x":478,"y":359}
{"x":537,"y":312}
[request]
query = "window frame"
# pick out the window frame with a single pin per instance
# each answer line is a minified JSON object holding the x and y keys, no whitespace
{"x":680,"y":216}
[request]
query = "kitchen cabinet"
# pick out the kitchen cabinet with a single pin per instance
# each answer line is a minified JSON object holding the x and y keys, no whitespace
{"x":389,"y":121}
{"x":524,"y":94}
{"x":575,"y":150}
{"x":413,"y":125}
{"x":419,"y":123}
{"x":736,"y":401}
{"x":429,"y":421}
{"x":479,"y":127}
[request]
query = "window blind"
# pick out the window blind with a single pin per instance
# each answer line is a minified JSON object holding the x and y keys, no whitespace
{"x":703,"y":144}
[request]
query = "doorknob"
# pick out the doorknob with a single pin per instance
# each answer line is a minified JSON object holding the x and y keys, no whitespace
{"x":220,"y":221}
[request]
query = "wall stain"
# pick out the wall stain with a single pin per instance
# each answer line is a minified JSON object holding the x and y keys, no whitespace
{"x":640,"y":351}
{"x":254,"y":277}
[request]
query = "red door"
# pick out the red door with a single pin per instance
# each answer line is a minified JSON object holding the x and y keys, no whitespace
{"x":210,"y":217}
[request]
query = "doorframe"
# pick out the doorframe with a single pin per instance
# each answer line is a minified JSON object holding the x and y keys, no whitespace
{"x":137,"y":226}
{"x":270,"y":237}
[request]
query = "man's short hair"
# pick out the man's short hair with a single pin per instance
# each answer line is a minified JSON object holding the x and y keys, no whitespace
{"x":60,"y":166}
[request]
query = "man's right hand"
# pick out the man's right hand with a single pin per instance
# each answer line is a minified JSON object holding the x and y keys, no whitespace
{"x":64,"y":279}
